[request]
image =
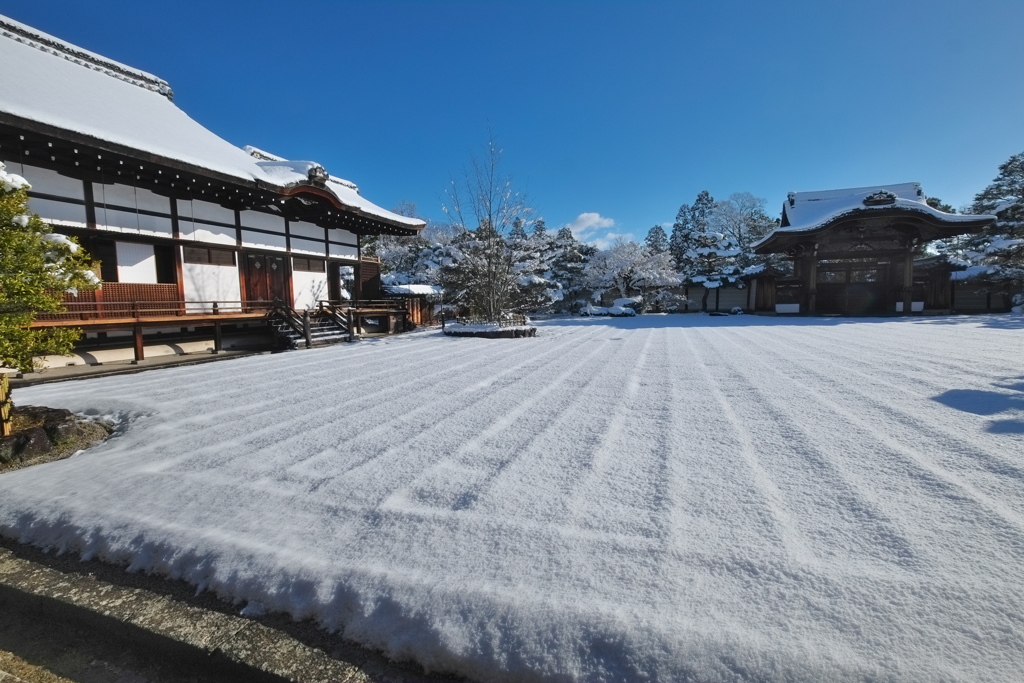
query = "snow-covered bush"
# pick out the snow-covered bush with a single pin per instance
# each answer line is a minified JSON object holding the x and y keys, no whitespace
{"x":36,"y":268}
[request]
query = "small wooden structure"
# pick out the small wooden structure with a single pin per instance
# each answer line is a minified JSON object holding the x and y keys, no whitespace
{"x":420,"y":301}
{"x":857,"y":252}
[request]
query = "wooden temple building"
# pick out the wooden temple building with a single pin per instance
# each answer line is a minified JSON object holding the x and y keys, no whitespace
{"x":859,"y":251}
{"x":189,"y":232}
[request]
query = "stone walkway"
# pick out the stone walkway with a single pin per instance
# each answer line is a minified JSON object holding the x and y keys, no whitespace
{"x":66,"y":620}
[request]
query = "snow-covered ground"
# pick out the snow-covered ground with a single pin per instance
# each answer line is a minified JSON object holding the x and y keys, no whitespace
{"x":661,"y":497}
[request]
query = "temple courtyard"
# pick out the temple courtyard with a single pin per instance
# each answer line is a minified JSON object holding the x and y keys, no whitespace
{"x":666,"y":497}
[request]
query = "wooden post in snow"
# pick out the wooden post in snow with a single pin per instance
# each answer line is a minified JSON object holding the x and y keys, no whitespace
{"x":138,"y":345}
{"x":6,"y":422}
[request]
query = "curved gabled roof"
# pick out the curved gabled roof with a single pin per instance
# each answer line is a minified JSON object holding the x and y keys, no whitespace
{"x":51,"y":82}
{"x":805,"y":214}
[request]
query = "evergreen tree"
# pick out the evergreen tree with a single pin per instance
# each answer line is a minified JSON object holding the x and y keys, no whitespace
{"x":518,"y":232}
{"x":570,"y":257}
{"x":657,"y":240}
{"x":939,"y":205}
{"x":678,"y":241}
{"x":1001,"y":247}
{"x":540,"y":229}
{"x":704,"y":256}
{"x":36,"y":268}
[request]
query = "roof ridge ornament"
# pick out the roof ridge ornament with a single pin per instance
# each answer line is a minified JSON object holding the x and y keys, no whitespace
{"x":318,"y":175}
{"x":880,"y":198}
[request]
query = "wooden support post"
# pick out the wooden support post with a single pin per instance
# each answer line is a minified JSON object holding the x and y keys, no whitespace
{"x":908,"y":280}
{"x":6,"y":418}
{"x":218,"y":338}
{"x":812,"y":280}
{"x":305,"y":329}
{"x":140,"y":354}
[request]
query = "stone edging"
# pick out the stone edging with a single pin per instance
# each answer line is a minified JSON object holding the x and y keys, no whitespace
{"x":174,"y":628}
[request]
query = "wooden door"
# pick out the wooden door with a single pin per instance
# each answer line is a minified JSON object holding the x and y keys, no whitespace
{"x":265,"y":278}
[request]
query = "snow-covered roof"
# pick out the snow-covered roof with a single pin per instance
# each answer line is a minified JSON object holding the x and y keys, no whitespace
{"x":50,"y":81}
{"x":410,"y":290}
{"x":972,"y":273}
{"x":806,"y":211}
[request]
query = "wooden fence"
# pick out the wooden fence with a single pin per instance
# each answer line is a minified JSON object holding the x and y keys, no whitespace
{"x":6,"y":417}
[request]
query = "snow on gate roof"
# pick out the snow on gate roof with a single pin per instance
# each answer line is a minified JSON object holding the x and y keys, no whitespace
{"x":47,"y":80}
{"x":807,"y":211}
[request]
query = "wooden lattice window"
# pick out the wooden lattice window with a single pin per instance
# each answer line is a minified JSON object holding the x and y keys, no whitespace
{"x":208,"y":255}
{"x":309,"y":265}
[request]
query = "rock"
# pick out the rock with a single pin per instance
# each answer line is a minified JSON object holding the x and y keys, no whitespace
{"x":33,"y":442}
{"x":9,"y":448}
{"x":48,"y":434}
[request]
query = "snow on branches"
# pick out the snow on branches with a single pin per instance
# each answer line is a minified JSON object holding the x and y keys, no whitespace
{"x":36,"y":268}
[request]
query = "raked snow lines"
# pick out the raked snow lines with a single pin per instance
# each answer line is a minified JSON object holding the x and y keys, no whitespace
{"x":659,"y":498}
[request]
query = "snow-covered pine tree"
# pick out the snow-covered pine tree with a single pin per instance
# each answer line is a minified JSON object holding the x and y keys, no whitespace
{"x":656,"y":240}
{"x":569,"y":258}
{"x":706,"y":256}
{"x":36,"y":268}
{"x":518,"y":231}
{"x":540,"y":228}
{"x":939,"y":205}
{"x":678,"y":241}
{"x":700,"y":212}
{"x":1001,"y":247}
{"x":532,"y":258}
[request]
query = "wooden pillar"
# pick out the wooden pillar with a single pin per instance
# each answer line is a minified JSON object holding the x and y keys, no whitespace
{"x":218,"y":338}
{"x":812,"y":279}
{"x":140,"y":354}
{"x":357,"y":289}
{"x":908,"y":280}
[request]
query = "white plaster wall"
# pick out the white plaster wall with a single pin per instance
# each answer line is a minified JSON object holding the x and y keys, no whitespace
{"x":336,"y":235}
{"x":135,"y":263}
{"x":343,"y":252}
{"x":58,"y":213}
{"x":308,"y":230}
{"x":211,"y":212}
{"x":210,"y":234}
{"x":151,"y":201}
{"x":308,"y":288}
{"x":49,"y":182}
{"x":155,"y":225}
{"x":301,"y":246}
{"x":261,"y":240}
{"x":205,"y":282}
{"x":263,"y":221}
{"x":119,"y":195}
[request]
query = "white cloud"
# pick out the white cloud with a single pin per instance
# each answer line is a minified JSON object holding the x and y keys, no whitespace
{"x":593,"y":228}
{"x":590,"y":221}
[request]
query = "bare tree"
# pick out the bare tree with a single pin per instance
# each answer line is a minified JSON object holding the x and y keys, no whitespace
{"x":482,"y":207}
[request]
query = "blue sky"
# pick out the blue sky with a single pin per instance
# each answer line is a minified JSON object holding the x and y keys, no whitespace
{"x":610,"y":114}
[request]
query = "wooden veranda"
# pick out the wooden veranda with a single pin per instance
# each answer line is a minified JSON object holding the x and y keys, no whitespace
{"x":112,"y":308}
